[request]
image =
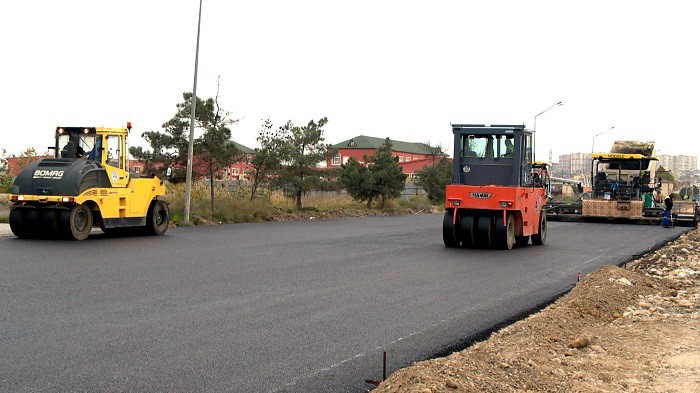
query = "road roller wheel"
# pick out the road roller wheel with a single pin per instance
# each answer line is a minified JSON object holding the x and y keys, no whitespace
{"x":31,"y":226}
{"x":48,"y":223}
{"x":448,"y":231}
{"x":541,"y":235}
{"x":521,"y":241}
{"x":505,"y":234}
{"x":482,"y":236}
{"x":76,"y":223}
{"x":466,"y":230}
{"x":158,"y":218}
{"x":17,"y":222}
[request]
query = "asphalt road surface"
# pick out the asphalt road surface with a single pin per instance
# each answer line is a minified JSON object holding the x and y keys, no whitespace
{"x":285,"y":306}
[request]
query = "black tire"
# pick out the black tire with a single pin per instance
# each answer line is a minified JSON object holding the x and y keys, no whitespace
{"x":482,"y":236}
{"x":17,"y":222}
{"x":539,"y":238}
{"x":48,"y":223}
{"x":31,"y":227}
{"x":466,"y":231}
{"x":158,"y":218}
{"x":521,"y":241}
{"x":448,"y":231}
{"x":76,"y":223}
{"x":505,"y":234}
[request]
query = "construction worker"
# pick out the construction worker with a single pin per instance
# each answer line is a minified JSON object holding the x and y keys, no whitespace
{"x":72,"y":149}
{"x":667,"y":205}
{"x":509,"y":148}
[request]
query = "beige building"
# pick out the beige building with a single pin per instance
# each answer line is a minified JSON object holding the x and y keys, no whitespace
{"x":678,"y":164}
{"x":575,"y":164}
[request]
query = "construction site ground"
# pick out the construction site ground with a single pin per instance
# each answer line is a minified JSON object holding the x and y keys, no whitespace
{"x":633,"y":328}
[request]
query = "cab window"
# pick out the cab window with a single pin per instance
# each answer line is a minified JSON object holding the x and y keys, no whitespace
{"x":505,"y":146}
{"x":481,"y":146}
{"x":114,"y":153}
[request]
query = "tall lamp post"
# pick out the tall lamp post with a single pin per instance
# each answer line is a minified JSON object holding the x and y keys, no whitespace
{"x":596,"y":135}
{"x":188,"y":180}
{"x":534,"y":127}
{"x":593,"y":147}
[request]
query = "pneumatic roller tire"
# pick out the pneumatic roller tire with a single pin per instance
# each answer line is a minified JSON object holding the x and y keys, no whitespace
{"x":448,"y":231}
{"x":505,"y":233}
{"x":48,"y":223}
{"x":31,"y":225}
{"x":539,"y":238}
{"x":466,"y":230}
{"x":484,"y":227}
{"x":76,"y":223}
{"x":158,"y":218}
{"x":17,"y":222}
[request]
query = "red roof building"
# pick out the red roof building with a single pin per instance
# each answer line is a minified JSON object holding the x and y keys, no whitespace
{"x":412,"y":156}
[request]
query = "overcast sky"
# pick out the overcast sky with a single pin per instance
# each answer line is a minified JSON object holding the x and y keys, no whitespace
{"x":402,"y":69}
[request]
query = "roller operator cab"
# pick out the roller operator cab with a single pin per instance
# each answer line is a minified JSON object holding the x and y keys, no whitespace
{"x":86,"y":184}
{"x":497,"y":194}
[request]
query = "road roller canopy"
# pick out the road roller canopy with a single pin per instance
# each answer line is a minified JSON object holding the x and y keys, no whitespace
{"x":492,"y":155}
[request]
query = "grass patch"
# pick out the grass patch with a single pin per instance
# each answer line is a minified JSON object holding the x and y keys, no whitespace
{"x":235,"y":206}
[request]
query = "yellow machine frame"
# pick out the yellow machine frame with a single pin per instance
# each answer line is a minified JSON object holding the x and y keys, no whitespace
{"x":124,"y":204}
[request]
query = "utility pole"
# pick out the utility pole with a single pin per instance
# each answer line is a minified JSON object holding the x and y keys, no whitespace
{"x":190,"y":148}
{"x":534,"y":128}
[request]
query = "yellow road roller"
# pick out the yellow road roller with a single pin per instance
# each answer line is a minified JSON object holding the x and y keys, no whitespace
{"x":86,"y":184}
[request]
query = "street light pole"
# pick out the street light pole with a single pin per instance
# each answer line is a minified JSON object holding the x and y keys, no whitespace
{"x":188,"y":185}
{"x":596,"y":135}
{"x":534,"y":127}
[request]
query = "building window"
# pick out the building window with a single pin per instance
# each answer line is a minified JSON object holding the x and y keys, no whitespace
{"x":137,"y":169}
{"x":408,"y":159}
{"x":400,"y":159}
{"x":345,"y":159}
{"x":235,"y":171}
{"x":336,"y":160}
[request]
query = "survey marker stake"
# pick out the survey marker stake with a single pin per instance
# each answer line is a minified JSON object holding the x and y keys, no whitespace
{"x":375,"y":382}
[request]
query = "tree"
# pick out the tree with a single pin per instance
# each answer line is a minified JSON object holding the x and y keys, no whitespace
{"x":301,"y":149}
{"x":382,"y":178}
{"x":357,"y":181}
{"x":214,"y":148}
{"x":665,"y":174}
{"x":388,"y":180}
{"x":266,"y":159}
{"x":26,"y":157}
{"x":436,"y":152}
{"x":169,"y":149}
{"x":3,"y":160}
{"x":434,"y":179}
{"x":6,"y":179}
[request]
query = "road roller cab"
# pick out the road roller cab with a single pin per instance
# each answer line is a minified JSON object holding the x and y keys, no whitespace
{"x":497,"y":194}
{"x":87,"y":183}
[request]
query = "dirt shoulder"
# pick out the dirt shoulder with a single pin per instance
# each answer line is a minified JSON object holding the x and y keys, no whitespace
{"x":633,"y":329}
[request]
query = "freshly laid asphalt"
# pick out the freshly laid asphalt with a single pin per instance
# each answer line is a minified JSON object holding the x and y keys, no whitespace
{"x":285,"y":306}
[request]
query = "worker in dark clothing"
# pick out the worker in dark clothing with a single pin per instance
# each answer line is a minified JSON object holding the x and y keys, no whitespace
{"x":667,"y":205}
{"x":72,"y":149}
